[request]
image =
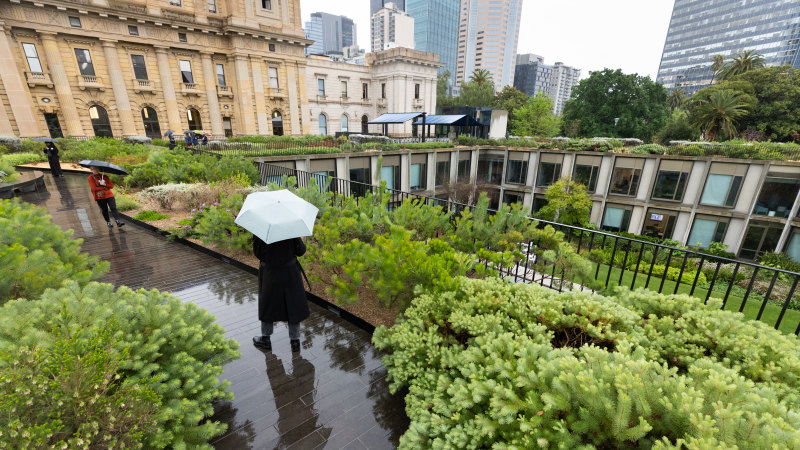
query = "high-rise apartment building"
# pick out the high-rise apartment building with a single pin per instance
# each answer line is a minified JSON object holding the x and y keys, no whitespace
{"x":436,"y":29}
{"x":330,"y":33}
{"x":700,"y":30}
{"x":562,"y":80}
{"x":532,"y":75}
{"x":391,"y":28}
{"x":487,"y":39}
{"x":375,"y":5}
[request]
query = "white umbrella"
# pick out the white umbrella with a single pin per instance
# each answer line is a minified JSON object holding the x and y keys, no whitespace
{"x":277,"y":215}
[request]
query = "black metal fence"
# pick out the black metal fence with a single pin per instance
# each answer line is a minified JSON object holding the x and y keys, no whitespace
{"x":760,"y":292}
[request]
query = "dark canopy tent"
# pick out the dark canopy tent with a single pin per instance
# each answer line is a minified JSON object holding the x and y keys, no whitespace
{"x":390,"y":118}
{"x":459,"y":121}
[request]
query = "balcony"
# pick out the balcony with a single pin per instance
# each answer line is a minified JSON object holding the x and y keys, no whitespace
{"x":382,"y":103}
{"x":277,"y":93}
{"x":224,"y":91}
{"x":38,"y":79}
{"x":417,"y":103}
{"x":143,"y":86}
{"x":190,"y":89}
{"x":90,"y":82}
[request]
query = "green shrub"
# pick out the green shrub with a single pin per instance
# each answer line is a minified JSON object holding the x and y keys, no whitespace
{"x":3,"y":149}
{"x":149,"y":215}
{"x":36,"y":254}
{"x":175,"y":347}
{"x":7,"y":172}
{"x":686,"y":150}
{"x":509,"y":365}
{"x":124,"y":201}
{"x":181,"y":166}
{"x":29,"y":146}
{"x":69,"y":393}
{"x":779,"y":261}
{"x":13,"y":144}
{"x":648,"y":149}
{"x":16,"y":159}
{"x":103,"y":149}
{"x":161,"y":142}
{"x":427,"y":145}
{"x":215,"y":224}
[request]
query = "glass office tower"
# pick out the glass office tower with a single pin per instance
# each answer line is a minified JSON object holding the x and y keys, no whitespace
{"x":436,"y":29}
{"x":699,"y":30}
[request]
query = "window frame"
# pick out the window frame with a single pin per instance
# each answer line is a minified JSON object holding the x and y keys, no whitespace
{"x":343,"y":88}
{"x":554,"y":159}
{"x":320,"y":87}
{"x":720,"y":220}
{"x":89,"y":63}
{"x":142,"y":68}
{"x":625,"y":223}
{"x":669,"y":230}
{"x":184,"y":78}
{"x":182,"y":37}
{"x":272,"y":75}
{"x":28,"y":58}
{"x":133,"y":30}
{"x":266,"y":5}
{"x":522,"y":172}
{"x":416,"y":91}
{"x":222,"y":80}
{"x":594,"y":171}
{"x":365,"y":91}
{"x":636,"y":168}
{"x":75,"y":22}
{"x":738,"y":172}
{"x":322,"y":118}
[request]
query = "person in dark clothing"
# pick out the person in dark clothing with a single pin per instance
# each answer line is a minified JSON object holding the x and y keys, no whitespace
{"x":101,"y":186}
{"x":51,"y":151}
{"x":195,"y":143}
{"x":205,"y":140}
{"x":281,"y":295}
{"x":171,"y":141}
{"x":188,"y":139}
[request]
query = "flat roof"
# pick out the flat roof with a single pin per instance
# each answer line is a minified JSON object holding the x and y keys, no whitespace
{"x":449,"y":119}
{"x":394,"y":118}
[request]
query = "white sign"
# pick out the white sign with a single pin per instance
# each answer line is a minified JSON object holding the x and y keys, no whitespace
{"x":657,"y":217}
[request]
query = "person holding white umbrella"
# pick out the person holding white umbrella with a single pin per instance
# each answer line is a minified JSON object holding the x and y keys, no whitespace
{"x":277,"y":220}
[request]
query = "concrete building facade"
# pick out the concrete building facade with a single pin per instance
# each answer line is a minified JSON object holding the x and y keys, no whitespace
{"x":751,"y":206}
{"x":436,"y":29}
{"x":330,"y":33}
{"x":391,"y":27}
{"x":488,"y":32}
{"x":344,"y":97}
{"x":562,"y":80}
{"x":699,"y":30}
{"x":375,"y":5}
{"x":102,"y":68}
{"x":532,"y":75}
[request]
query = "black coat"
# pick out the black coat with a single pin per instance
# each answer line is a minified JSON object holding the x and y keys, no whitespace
{"x":281,"y":294}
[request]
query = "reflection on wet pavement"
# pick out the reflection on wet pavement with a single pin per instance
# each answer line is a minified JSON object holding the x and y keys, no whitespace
{"x":333,"y":394}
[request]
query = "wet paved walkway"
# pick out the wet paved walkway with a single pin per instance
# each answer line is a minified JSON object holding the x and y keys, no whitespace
{"x":333,"y":394}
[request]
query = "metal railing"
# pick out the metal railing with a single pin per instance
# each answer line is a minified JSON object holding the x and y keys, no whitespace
{"x":763,"y":293}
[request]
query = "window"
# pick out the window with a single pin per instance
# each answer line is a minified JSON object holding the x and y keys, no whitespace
{"x":175,"y":2}
{"x":75,"y":21}
{"x":442,"y":168}
{"x":182,"y":37}
{"x":390,"y":171}
{"x":383,"y":90}
{"x":344,"y":89}
{"x":360,"y":176}
{"x":150,"y":121}
{"x":759,"y":239}
{"x":266,"y":4}
{"x":723,"y":184}
{"x":271,"y":47}
{"x":139,"y":67}
{"x":227,"y":126}
{"x":419,"y":174}
{"x":277,"y":123}
{"x":100,"y":123}
{"x":707,"y":229}
{"x":511,"y":197}
{"x":321,"y":87}
{"x":671,"y":180}
{"x":322,"y":170}
{"x":193,"y":117}
{"x":659,"y":223}
{"x":345,"y":123}
{"x":323,"y":125}
{"x":84,"y":61}
{"x":364,"y":124}
{"x":778,"y":192}
{"x":793,"y":246}
{"x":549,"y":169}
{"x":616,"y":218}
{"x":365,"y":91}
{"x":416,"y":91}
{"x":186,"y":71}
{"x":221,"y":75}
{"x":273,"y":77}
{"x":586,"y":170}
{"x":490,"y":167}
{"x":33,"y":57}
{"x":464,"y":166}
{"x":212,"y":6}
{"x":133,"y":30}
{"x":626,"y":176}
{"x":517,"y":169}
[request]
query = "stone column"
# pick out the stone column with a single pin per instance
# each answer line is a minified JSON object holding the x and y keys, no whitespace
{"x":167,"y":86}
{"x":58,"y":75}
{"x":210,"y":78}
{"x":5,"y":122}
{"x":17,"y":92}
{"x":262,"y":117}
{"x":292,"y":81}
{"x":119,"y":88}
{"x":244,"y":94}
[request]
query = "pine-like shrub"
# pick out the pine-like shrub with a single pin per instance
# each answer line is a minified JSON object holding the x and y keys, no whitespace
{"x":648,"y":149}
{"x":175,"y":348}
{"x":7,"y":172}
{"x":508,"y":365}
{"x":148,"y":215}
{"x":124,"y":201}
{"x":36,"y":254}
{"x":181,"y":166}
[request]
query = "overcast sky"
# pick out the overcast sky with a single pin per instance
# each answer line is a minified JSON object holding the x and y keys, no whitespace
{"x":587,"y":34}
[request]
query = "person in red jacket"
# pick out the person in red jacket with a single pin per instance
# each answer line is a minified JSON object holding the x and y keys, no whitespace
{"x":101,"y":190}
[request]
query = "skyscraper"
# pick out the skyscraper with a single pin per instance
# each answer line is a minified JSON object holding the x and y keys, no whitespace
{"x":436,"y":29}
{"x":563,"y":79}
{"x":532,"y":75}
{"x":391,"y":28}
{"x":487,"y":39}
{"x":330,"y":33}
{"x":375,"y":5}
{"x":700,"y":30}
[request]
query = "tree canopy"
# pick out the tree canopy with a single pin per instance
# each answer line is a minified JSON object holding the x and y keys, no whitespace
{"x":567,"y":203}
{"x":535,"y":118}
{"x":510,"y":99}
{"x":639,"y":104}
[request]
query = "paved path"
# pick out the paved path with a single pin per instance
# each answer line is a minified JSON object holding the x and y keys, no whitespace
{"x":333,"y":394}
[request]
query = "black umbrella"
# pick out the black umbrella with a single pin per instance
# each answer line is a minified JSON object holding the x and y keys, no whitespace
{"x":168,"y":133}
{"x":103,"y":166}
{"x":44,"y":139}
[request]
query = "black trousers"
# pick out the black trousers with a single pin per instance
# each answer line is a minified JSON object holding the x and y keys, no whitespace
{"x":55,"y":166}
{"x":105,"y":204}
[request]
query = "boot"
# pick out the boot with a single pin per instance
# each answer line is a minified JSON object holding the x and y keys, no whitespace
{"x":262,"y":342}
{"x":120,"y":223}
{"x":295,"y":345}
{"x":110,"y":225}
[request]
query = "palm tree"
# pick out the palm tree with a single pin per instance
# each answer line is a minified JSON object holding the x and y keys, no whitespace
{"x":676,"y":99}
{"x":741,"y":63}
{"x":717,"y":64}
{"x":719,"y":114}
{"x":481,"y":76}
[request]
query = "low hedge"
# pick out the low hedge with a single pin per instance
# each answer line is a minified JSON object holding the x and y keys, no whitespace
{"x":181,"y":166}
{"x":509,"y":365}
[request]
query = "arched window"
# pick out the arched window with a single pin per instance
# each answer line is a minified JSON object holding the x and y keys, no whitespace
{"x":277,"y":123}
{"x":150,"y":119}
{"x":100,"y":122}
{"x":323,"y":125}
{"x":364,"y":124}
{"x":194,"y":119}
{"x":344,"y":123}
